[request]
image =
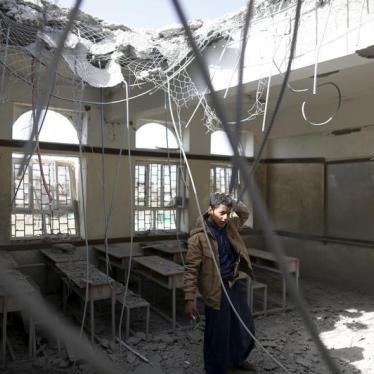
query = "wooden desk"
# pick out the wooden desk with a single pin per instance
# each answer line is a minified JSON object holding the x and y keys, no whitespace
{"x":166,"y":273}
{"x":99,"y":287}
{"x":56,"y":255}
{"x":118,"y":255}
{"x":266,"y":260}
{"x":171,"y":251}
{"x":8,"y":303}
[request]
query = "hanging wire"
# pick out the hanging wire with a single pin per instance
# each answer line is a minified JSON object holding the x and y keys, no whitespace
{"x":239,"y":92}
{"x":84,"y":209}
{"x":103,"y":184}
{"x":270,"y":237}
{"x":2,"y":99}
{"x":212,"y":253}
{"x":177,"y":213}
{"x":129,"y":265}
{"x":339,"y":104}
{"x":48,"y":87}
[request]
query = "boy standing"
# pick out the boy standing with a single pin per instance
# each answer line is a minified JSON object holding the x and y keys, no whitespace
{"x":226,"y":343}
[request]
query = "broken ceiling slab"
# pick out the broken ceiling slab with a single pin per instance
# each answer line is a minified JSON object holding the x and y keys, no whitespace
{"x":97,"y":48}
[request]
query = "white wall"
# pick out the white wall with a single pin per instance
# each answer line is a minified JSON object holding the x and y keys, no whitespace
{"x":293,"y":137}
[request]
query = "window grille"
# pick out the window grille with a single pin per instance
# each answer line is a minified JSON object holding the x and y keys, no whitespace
{"x":220,"y":177}
{"x":33,"y":214}
{"x":156,"y":189}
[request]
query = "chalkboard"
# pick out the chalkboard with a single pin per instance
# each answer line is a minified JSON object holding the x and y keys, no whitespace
{"x":350,"y":200}
{"x":295,"y":196}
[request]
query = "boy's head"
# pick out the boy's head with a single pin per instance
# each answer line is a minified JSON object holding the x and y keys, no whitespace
{"x":219,"y":210}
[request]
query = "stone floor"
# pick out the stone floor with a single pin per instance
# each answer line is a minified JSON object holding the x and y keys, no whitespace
{"x":345,"y":321}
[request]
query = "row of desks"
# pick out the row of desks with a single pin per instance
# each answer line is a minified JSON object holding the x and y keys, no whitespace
{"x":85,"y":280}
{"x":156,"y":268}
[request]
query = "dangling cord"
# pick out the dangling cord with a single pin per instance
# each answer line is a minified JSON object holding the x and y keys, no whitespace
{"x":211,"y":249}
{"x":131,"y":210}
{"x":103,"y":183}
{"x":80,"y":134}
{"x":4,"y":65}
{"x":37,"y":148}
{"x":176,"y":212}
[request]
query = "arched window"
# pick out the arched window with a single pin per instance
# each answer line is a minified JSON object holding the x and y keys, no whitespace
{"x":56,"y":128}
{"x":155,"y":136}
{"x":219,"y":144}
{"x":46,"y":201}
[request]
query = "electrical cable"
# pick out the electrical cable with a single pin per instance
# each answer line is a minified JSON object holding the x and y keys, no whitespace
{"x":178,"y":171}
{"x":84,"y":210}
{"x":103,"y":183}
{"x":3,"y":66}
{"x":49,"y":83}
{"x":126,"y":109}
{"x":271,"y":238}
{"x":270,"y":75}
{"x":33,"y":94}
{"x":212,"y":253}
{"x":239,"y":92}
{"x":333,"y":115}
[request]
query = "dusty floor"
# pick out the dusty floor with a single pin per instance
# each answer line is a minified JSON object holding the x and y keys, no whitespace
{"x":344,"y":319}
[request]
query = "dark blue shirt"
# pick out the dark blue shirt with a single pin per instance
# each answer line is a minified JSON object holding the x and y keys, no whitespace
{"x":227,"y":255}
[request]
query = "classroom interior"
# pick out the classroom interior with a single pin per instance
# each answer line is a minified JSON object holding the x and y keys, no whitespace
{"x":95,"y":215}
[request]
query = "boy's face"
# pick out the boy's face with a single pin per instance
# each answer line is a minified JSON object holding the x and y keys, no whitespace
{"x":219,"y":215}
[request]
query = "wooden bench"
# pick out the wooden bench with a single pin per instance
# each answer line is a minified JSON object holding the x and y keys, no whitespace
{"x":133,"y":301}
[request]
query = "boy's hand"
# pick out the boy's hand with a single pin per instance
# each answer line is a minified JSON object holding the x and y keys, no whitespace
{"x":191,"y":309}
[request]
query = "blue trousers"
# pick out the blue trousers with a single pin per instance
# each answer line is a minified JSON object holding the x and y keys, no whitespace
{"x":226,"y":343}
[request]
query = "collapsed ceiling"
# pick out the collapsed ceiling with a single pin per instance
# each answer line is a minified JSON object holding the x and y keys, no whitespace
{"x":103,"y":55}
{"x":98,"y":52}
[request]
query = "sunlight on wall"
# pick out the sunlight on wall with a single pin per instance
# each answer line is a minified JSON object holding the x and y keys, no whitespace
{"x":155,"y":136}
{"x":219,"y":144}
{"x":56,"y":128}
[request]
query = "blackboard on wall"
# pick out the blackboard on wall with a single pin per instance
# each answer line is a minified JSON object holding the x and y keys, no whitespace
{"x":295,"y":196}
{"x":350,"y":200}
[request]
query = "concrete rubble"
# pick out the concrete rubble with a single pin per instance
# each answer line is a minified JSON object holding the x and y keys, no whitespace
{"x":282,"y":334}
{"x":96,"y":51}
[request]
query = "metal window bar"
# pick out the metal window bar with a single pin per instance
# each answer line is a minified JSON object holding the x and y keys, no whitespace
{"x":220,"y":177}
{"x":32,"y":214}
{"x":155,"y":186}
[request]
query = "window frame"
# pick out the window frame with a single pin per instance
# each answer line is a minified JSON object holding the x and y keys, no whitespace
{"x":57,"y":207}
{"x":213,"y":168}
{"x":143,"y":123}
{"x":173,"y":207}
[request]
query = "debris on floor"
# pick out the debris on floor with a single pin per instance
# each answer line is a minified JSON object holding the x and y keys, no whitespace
{"x":344,"y":319}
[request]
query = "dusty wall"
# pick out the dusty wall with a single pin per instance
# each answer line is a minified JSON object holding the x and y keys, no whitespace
{"x":295,"y":191}
{"x":341,"y":265}
{"x":116,"y":173}
{"x":295,"y":197}
{"x":294,"y":138}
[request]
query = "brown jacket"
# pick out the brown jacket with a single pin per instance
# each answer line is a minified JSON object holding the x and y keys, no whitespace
{"x":201,"y":272}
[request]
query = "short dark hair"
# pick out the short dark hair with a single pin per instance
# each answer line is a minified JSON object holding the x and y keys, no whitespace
{"x":216,"y":199}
